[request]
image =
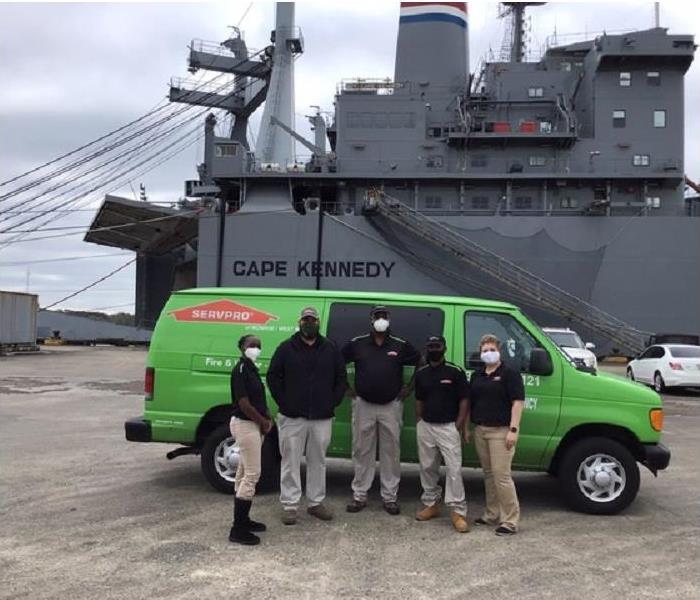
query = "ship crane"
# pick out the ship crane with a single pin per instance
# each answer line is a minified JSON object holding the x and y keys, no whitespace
{"x":515,"y":280}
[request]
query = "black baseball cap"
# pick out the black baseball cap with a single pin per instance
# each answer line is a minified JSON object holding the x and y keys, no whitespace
{"x":309,"y":311}
{"x":379,"y":309}
{"x":435,"y":340}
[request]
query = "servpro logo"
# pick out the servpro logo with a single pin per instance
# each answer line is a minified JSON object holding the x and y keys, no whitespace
{"x":223,"y":311}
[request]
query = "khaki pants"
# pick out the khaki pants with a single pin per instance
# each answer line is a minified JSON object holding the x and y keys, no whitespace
{"x":435,"y":440}
{"x":369,"y":422}
{"x":501,"y":498}
{"x":249,"y":439}
{"x":298,"y":437}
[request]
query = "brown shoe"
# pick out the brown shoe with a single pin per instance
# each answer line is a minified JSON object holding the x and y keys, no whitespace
{"x":428,"y":512}
{"x":460,"y":523}
{"x":320,"y":512}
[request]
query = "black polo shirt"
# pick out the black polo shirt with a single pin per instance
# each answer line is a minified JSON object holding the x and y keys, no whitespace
{"x":379,"y":369}
{"x":491,"y":396}
{"x":441,"y":388}
{"x":246,"y":382}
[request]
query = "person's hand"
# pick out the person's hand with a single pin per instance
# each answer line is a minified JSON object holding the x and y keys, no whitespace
{"x":404,"y":393}
{"x":466,"y":434}
{"x":266,"y":426}
{"x":511,"y":440}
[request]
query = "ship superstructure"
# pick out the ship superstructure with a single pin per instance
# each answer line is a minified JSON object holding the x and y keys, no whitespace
{"x":569,"y":167}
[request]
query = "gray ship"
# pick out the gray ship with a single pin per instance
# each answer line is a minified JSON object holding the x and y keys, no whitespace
{"x":556,"y":184}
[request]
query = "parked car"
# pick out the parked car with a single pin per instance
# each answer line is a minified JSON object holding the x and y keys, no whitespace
{"x":667,"y":365}
{"x":570,"y":342}
{"x":590,"y":430}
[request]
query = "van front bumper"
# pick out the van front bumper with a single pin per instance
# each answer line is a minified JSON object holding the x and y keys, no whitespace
{"x":656,"y":457}
{"x":137,"y":430}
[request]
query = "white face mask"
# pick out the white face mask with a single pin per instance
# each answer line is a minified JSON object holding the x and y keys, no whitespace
{"x":491,"y":357}
{"x":381,"y":325}
{"x":252,"y":353}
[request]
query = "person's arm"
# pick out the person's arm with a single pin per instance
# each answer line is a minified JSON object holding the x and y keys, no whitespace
{"x":466,"y":432}
{"x":516,"y":392}
{"x":340,"y":379}
{"x":275,"y":376}
{"x":420,"y":396}
{"x":463,"y":414}
{"x":251,"y":412}
{"x":239,"y":395}
{"x":411,"y":357}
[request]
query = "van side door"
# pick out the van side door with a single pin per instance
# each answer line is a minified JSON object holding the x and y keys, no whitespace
{"x":543,"y":393}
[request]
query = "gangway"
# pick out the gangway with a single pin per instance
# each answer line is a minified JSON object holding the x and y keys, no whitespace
{"x":517,"y":280}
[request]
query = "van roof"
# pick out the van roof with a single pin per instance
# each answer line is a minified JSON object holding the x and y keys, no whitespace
{"x":383,"y":297}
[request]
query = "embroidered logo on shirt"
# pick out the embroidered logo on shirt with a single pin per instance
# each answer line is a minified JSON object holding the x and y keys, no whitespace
{"x":392,"y":353}
{"x":497,"y":378}
{"x":445,"y":381}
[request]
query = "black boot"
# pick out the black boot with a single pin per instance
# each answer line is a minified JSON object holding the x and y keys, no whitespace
{"x":248,"y":523}
{"x":240,"y":531}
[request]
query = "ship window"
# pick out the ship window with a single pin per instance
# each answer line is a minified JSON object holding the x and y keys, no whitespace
{"x":619,"y":118}
{"x":434,"y":131}
{"x":569,"y":202}
{"x":625,"y":79}
{"x":600,"y":193}
{"x":659,"y":118}
{"x":221,"y":150}
{"x":433,"y":202}
{"x":479,"y":160}
{"x":480,"y":202}
{"x":523,"y":203}
{"x":640,"y":160}
{"x":654,"y":78}
{"x":653,"y":201}
{"x":538,"y":161}
{"x":566,"y":66}
{"x":535,"y":92}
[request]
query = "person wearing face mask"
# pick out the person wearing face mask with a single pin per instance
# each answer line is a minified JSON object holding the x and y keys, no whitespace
{"x":377,"y":409}
{"x":442,"y":403}
{"x":307,"y":379}
{"x":497,"y":396}
{"x":249,"y":424}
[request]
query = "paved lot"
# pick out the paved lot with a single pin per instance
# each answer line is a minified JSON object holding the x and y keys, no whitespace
{"x":85,"y":514}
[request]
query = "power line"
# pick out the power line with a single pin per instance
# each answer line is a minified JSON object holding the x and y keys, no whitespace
{"x":16,"y":263}
{"x":93,"y":284}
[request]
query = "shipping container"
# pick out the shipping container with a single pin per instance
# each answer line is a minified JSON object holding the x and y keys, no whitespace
{"x":18,"y":314}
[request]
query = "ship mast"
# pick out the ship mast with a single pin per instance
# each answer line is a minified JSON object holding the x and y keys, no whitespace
{"x":514,"y":42}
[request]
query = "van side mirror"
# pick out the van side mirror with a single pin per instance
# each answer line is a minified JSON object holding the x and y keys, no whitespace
{"x":540,"y":362}
{"x":590,"y":346}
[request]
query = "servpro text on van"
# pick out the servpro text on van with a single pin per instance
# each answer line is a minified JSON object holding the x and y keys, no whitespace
{"x":588,"y":428}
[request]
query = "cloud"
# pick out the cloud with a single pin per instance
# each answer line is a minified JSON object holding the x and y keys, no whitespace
{"x":71,"y":72}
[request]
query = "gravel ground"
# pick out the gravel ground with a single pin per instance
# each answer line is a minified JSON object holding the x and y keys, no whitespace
{"x":83,"y":513}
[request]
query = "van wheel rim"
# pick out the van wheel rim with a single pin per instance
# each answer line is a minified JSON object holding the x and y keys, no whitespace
{"x":601,"y":478}
{"x":226,"y":459}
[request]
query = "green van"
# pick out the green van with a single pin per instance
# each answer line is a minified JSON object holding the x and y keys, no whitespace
{"x":588,"y":428}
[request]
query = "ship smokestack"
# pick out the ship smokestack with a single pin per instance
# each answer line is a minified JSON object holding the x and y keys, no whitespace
{"x":433,"y":43}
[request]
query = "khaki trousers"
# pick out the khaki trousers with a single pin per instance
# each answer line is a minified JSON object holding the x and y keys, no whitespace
{"x":299,"y":437}
{"x":369,"y":422}
{"x":249,"y":439}
{"x":501,"y":498}
{"x":435,"y":440}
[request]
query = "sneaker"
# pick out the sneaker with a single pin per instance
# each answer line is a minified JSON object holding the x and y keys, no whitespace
{"x":392,"y":508}
{"x":355,"y":506}
{"x":320,"y":512}
{"x":428,"y":512}
{"x":459,"y":522}
{"x":504,"y":530}
{"x":243,"y":536}
{"x":482,"y":521}
{"x":289,"y":516}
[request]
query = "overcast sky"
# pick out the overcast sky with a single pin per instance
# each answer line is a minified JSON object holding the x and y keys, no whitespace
{"x":72,"y":72}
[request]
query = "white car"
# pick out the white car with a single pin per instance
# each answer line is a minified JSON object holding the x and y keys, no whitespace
{"x":570,"y":342}
{"x":667,"y":365}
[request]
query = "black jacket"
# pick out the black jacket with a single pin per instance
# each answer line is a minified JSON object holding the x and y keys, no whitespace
{"x":307,"y":381}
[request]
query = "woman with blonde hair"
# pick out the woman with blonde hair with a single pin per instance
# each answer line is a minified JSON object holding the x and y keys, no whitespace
{"x":496,"y":401}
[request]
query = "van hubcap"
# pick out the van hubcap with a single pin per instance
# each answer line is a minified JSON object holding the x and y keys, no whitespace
{"x":601,"y":478}
{"x":226,"y":458}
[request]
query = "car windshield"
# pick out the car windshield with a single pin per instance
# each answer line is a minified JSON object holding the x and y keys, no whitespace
{"x":566,"y":339}
{"x":685,"y":351}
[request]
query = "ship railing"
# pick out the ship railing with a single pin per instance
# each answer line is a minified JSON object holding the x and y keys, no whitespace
{"x":368,"y":85}
{"x":192,"y":85}
{"x":519,"y":282}
{"x":216,"y":48}
{"x":556,"y":40}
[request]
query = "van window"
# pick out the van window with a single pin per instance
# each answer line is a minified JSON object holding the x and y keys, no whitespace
{"x":412,"y":323}
{"x":516,"y":341}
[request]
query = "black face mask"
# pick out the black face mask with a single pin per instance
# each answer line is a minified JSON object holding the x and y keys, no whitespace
{"x":309,"y":330}
{"x":435,"y":355}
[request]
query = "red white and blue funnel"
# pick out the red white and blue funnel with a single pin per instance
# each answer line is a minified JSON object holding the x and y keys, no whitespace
{"x":433,"y":43}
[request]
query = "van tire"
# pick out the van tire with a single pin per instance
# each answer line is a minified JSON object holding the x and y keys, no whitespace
{"x":579,"y":485}
{"x":270,"y":458}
